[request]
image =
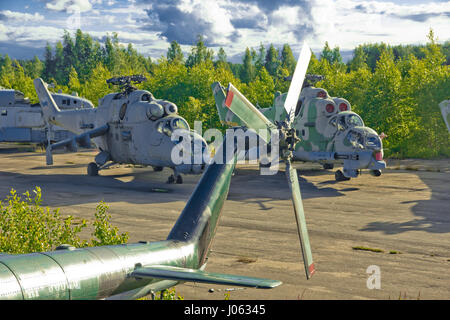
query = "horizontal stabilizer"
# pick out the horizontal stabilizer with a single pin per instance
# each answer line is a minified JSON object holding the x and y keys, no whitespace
{"x":84,"y":140}
{"x":195,"y":275}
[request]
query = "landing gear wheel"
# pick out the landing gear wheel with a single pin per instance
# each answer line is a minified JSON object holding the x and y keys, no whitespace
{"x":156,"y":169}
{"x":328,"y":166}
{"x":171,"y":179}
{"x":339,"y":176}
{"x":92,"y":169}
{"x":179,"y":180}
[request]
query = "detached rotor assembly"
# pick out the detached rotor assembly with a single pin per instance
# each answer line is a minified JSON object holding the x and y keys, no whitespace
{"x":255,"y":120}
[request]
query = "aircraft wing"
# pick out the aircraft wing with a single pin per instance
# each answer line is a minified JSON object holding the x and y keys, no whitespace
{"x":83,"y":140}
{"x":195,"y":275}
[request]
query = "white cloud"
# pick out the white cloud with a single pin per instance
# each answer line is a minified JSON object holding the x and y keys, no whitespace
{"x":30,"y":34}
{"x":14,"y":16}
{"x":71,"y":6}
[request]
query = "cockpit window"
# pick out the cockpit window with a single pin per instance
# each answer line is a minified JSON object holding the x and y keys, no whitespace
{"x":333,"y":121}
{"x":169,"y":125}
{"x":160,"y":127}
{"x":146,"y":97}
{"x":373,"y":142}
{"x":179,"y":123}
{"x":341,"y":123}
{"x":354,"y":120}
{"x":355,"y":139}
{"x":167,"y":129}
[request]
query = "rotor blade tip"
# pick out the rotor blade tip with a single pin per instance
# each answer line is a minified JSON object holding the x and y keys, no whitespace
{"x":311,"y":270}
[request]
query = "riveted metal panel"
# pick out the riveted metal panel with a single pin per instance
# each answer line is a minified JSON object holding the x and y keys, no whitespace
{"x":82,"y":269}
{"x":9,"y":286}
{"x":39,"y":276}
{"x":114,"y":272}
{"x":137,"y":255}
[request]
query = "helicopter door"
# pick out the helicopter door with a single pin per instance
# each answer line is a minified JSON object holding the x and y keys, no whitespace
{"x":119,"y":140}
{"x":155,"y":137}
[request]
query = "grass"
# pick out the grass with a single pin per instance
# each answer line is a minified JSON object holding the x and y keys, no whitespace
{"x":246,"y":260}
{"x":367,"y":249}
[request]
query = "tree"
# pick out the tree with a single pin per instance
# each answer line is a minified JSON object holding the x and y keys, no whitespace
{"x":272,"y":63}
{"x":74,"y":82}
{"x":199,"y":53}
{"x":97,"y":87}
{"x":174,"y":53}
{"x":333,"y":57}
{"x":359,"y":59}
{"x":221,"y":61}
{"x":49,"y":67}
{"x":60,"y":74}
{"x":260,"y":91}
{"x":33,"y":68}
{"x":247,"y":73}
{"x":261,"y":57}
{"x":287,"y":59}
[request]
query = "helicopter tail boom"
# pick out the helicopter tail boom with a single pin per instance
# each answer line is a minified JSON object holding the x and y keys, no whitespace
{"x":199,"y":219}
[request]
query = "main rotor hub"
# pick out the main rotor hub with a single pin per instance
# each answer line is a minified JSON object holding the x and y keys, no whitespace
{"x":124,"y":83}
{"x":288,"y":139}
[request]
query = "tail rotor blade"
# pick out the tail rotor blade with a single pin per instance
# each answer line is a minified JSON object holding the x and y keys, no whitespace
{"x":294,"y":186}
{"x":248,"y":113}
{"x":297,"y":81}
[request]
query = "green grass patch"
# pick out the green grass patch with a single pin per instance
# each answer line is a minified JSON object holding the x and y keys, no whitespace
{"x":361,"y":248}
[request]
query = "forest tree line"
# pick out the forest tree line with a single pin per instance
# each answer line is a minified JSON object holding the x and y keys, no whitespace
{"x":395,"y":89}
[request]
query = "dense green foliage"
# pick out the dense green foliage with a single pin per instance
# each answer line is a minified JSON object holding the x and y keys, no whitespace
{"x":26,"y":226}
{"x":396,"y":89}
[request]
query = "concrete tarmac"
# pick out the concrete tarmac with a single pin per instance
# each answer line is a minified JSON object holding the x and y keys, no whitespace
{"x":382,"y":237}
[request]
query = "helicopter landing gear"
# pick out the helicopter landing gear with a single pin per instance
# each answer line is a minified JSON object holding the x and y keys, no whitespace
{"x":92,"y":169}
{"x":339,"y":176}
{"x":328,"y":166}
{"x":172,"y":179}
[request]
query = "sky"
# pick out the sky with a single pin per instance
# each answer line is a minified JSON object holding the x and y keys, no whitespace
{"x":150,"y":25}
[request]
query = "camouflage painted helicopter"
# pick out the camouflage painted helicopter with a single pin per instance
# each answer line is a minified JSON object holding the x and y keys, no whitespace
{"x":445,"y":110}
{"x":330,"y":132}
{"x":131,"y":271}
{"x":130,"y":127}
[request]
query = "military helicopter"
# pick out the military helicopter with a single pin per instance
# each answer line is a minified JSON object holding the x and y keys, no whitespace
{"x":22,"y":121}
{"x":128,"y":127}
{"x":132,"y":271}
{"x":330,"y":132}
{"x":445,"y":110}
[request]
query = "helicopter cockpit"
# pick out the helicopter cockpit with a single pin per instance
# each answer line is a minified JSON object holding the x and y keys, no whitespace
{"x":168,"y":125}
{"x":363,"y":137}
{"x":355,"y":139}
{"x":346,"y":120}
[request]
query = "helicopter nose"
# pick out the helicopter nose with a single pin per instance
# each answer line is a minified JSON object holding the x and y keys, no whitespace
{"x":199,"y":155}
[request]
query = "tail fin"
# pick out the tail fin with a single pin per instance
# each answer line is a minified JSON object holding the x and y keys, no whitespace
{"x":226,"y":116}
{"x":48,"y":105}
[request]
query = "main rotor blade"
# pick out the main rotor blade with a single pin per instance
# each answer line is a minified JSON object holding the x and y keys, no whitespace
{"x":248,"y":113}
{"x":297,"y":81}
{"x":292,"y":178}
